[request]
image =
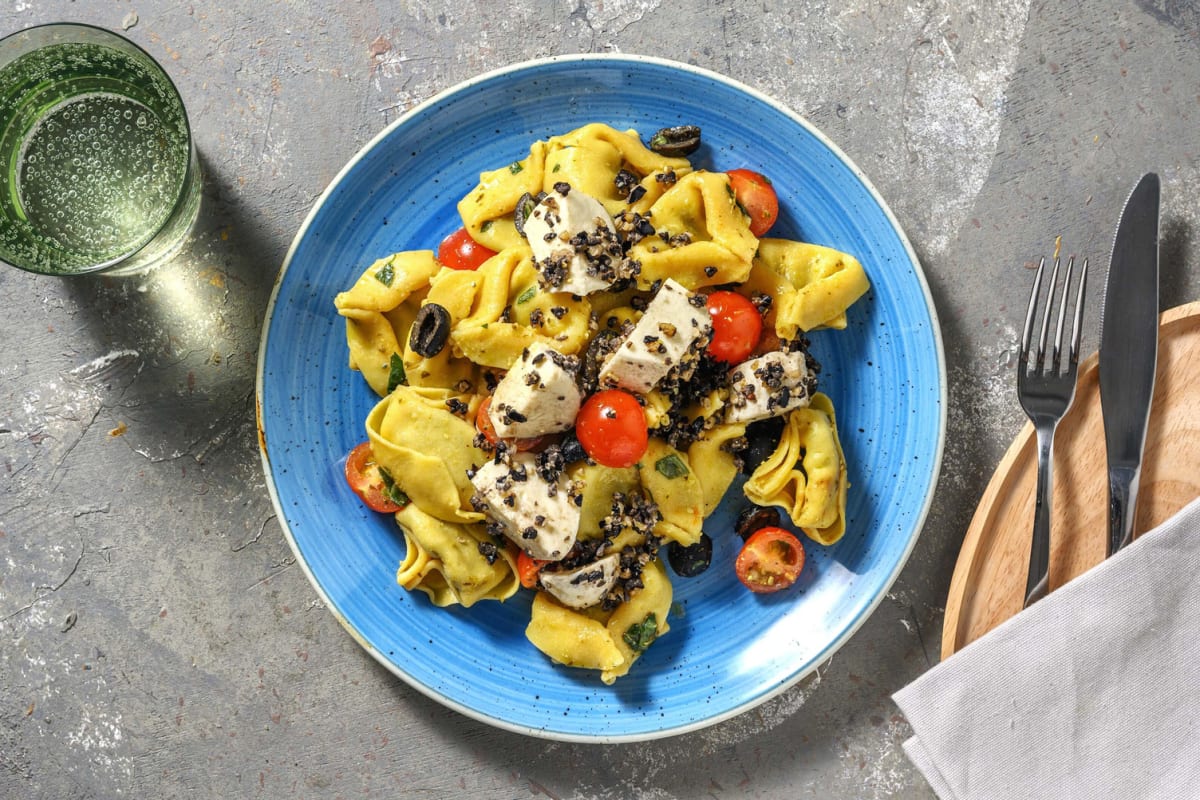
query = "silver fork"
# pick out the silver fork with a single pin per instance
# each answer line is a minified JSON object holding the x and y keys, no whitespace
{"x":1046,"y":388}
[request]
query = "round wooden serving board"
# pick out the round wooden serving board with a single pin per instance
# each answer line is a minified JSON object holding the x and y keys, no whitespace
{"x":988,"y":585}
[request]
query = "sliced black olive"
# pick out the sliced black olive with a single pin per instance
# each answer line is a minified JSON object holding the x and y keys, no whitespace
{"x":525,"y":207}
{"x":763,"y":437}
{"x":430,"y":330}
{"x":690,"y":561}
{"x":676,"y":142}
{"x":572,"y":451}
{"x":755,"y":518}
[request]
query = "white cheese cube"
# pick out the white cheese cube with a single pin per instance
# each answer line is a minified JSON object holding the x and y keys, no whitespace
{"x":671,"y":325}
{"x":537,"y":395}
{"x":768,"y":386}
{"x":551,"y":226}
{"x":584,"y":586}
{"x":539,"y":517}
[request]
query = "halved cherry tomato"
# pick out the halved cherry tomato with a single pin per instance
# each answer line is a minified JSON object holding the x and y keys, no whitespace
{"x":756,"y":194}
{"x":737,"y":327}
{"x":483,"y":424}
{"x":460,"y":251}
{"x":528,"y":569}
{"x":612,"y":428}
{"x":365,"y":478}
{"x":771,"y":559}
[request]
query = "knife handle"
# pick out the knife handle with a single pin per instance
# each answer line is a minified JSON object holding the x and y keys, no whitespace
{"x":1122,"y":495}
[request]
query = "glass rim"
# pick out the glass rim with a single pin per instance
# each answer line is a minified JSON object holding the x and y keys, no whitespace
{"x":190,"y":173}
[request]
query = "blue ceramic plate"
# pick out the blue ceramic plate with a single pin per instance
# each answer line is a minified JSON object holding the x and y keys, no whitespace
{"x":728,"y":650}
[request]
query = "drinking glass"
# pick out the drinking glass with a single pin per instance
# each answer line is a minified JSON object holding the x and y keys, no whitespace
{"x":98,"y":170}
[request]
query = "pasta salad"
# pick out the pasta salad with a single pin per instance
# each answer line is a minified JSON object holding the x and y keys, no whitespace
{"x":574,"y":380}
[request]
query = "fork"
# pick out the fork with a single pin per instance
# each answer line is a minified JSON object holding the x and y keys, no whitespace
{"x":1046,"y":388}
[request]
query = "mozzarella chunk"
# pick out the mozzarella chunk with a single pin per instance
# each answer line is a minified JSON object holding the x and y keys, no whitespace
{"x":537,"y":395}
{"x":768,"y":386}
{"x":584,"y":586}
{"x":574,"y":242}
{"x":539,"y":517}
{"x":670,"y":328}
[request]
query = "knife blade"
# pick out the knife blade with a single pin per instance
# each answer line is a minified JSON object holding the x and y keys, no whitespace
{"x":1129,"y":352}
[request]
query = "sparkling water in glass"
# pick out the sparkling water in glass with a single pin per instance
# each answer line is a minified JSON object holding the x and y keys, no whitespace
{"x":98,"y":171}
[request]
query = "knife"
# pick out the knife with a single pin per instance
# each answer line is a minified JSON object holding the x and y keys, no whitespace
{"x":1129,"y":352}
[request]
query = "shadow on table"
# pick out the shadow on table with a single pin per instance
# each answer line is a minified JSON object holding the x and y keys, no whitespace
{"x":184,"y":336}
{"x":1174,"y":256}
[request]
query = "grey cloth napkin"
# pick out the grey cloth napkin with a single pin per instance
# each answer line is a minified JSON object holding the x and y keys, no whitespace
{"x":1091,"y":693}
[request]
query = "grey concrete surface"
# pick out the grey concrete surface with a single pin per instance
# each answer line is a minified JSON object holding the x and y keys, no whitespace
{"x":157,"y":638}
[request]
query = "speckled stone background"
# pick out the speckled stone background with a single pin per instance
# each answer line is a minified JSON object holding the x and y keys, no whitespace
{"x":156,"y":637}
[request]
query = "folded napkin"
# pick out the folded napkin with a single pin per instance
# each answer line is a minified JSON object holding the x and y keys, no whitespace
{"x":1091,"y":693}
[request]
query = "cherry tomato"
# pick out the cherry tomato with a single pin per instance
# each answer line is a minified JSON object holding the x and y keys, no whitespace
{"x":528,"y":569}
{"x":460,"y":251}
{"x":483,"y":424}
{"x":771,"y":559}
{"x":365,"y":478}
{"x":612,"y":428}
{"x":737,"y":327}
{"x":757,"y":196}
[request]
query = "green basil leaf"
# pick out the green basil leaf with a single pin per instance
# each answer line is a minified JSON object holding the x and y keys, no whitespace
{"x":527,"y":295}
{"x":639,"y":635}
{"x":515,"y":167}
{"x":386,"y":274}
{"x":396,"y":374}
{"x":394,"y":492}
{"x":671,"y":466}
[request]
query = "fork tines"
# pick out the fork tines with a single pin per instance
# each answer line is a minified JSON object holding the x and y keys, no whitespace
{"x":1036,"y":363}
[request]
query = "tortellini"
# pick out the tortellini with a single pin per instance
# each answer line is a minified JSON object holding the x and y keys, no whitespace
{"x":444,"y":561}
{"x":498,"y":310}
{"x":714,"y":465}
{"x":427,"y":449}
{"x":587,"y":158}
{"x":812,"y":286}
{"x":673,"y":486}
{"x":609,"y":642}
{"x":710,"y":242}
{"x":423,"y":431}
{"x":599,"y":485}
{"x":571,"y":638}
{"x":806,"y":475}
{"x":379,"y":311}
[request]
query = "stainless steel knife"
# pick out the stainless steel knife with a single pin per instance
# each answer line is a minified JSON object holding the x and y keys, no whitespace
{"x":1129,"y":352}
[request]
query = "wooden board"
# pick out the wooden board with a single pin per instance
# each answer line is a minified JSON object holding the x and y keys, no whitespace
{"x":988,"y":585}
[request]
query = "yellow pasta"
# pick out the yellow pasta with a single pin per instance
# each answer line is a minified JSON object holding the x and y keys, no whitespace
{"x":719,"y":246}
{"x":444,"y":561}
{"x":669,"y":481}
{"x":427,"y":449}
{"x":812,"y":285}
{"x":571,"y":638}
{"x":806,"y":474}
{"x":492,"y":308}
{"x":379,"y":310}
{"x":635,"y":625}
{"x":600,"y":483}
{"x":501,"y":333}
{"x":487,"y":210}
{"x":588,"y":158}
{"x":606,"y":642}
{"x":715,"y":467}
